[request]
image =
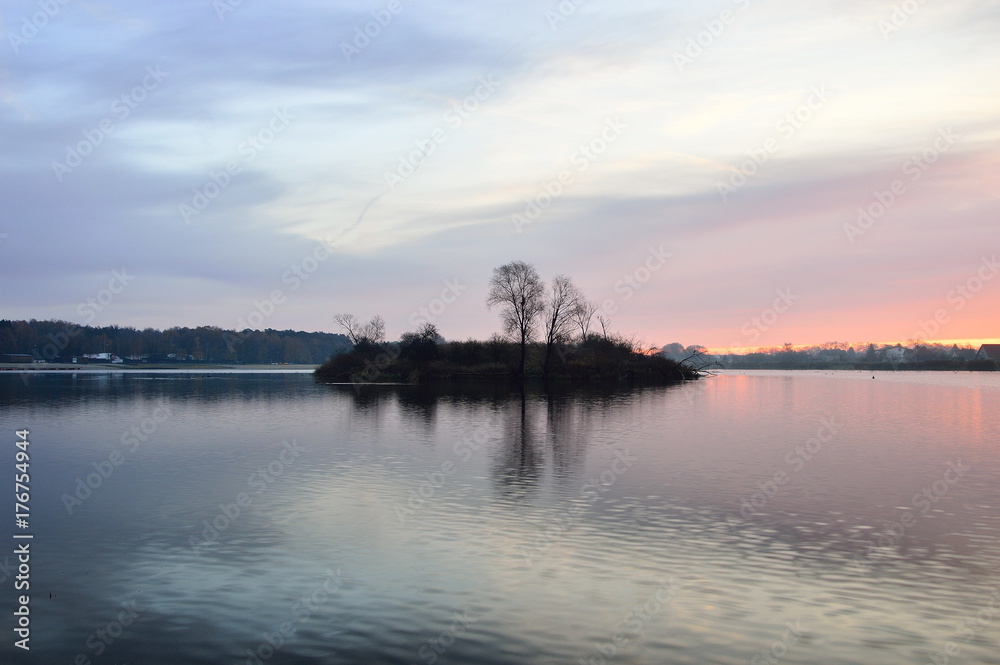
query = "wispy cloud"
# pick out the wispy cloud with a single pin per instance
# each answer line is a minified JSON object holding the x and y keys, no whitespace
{"x":690,"y":128}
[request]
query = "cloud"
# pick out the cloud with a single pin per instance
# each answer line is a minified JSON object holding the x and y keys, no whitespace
{"x":415,"y":82}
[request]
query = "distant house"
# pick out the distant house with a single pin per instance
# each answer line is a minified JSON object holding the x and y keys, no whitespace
{"x":18,"y":358}
{"x":895,"y":353}
{"x":100,"y":358}
{"x":988,"y":352}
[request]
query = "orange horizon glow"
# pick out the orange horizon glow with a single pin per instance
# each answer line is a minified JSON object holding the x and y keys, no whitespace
{"x":974,"y":343}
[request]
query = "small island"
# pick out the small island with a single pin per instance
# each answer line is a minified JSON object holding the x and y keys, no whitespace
{"x":568,"y":351}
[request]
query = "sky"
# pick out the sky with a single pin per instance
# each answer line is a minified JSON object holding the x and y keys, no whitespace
{"x":732,"y":174}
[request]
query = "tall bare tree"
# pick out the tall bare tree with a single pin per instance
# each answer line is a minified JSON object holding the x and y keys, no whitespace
{"x":516,"y":288}
{"x":561,"y":306}
{"x":605,"y":325}
{"x":372,"y":332}
{"x":583,"y":314}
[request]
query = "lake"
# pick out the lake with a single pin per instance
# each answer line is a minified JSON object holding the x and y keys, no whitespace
{"x":751,"y":517}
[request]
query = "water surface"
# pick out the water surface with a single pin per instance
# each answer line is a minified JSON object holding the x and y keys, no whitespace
{"x":802,"y":517}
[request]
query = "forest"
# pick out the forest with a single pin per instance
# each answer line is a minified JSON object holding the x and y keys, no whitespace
{"x":61,"y":341}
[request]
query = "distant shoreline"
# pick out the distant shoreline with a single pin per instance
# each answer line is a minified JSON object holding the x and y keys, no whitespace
{"x":141,"y":367}
{"x":188,"y":367}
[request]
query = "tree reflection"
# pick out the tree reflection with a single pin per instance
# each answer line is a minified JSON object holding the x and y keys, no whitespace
{"x":518,"y":461}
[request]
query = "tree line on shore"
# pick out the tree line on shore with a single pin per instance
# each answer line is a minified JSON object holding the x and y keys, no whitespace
{"x":546,"y":332}
{"x":916,"y":355}
{"x":61,"y":341}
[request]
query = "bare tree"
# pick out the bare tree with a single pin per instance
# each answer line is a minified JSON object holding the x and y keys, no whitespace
{"x":372,"y":332}
{"x":583,"y":314}
{"x":349,"y":324}
{"x":516,"y":288}
{"x":561,"y":306}
{"x":605,"y":324}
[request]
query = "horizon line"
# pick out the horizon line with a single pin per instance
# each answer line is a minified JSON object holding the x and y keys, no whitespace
{"x":974,"y":342}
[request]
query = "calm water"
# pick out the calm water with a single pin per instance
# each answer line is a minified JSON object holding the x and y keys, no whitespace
{"x":747,"y":518}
